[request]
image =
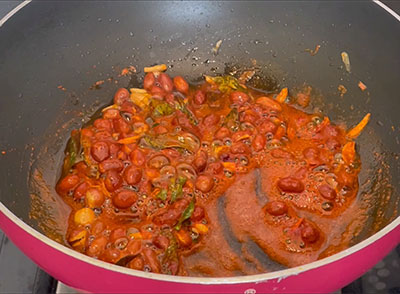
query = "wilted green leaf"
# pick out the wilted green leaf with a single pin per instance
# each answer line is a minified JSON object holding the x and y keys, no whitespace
{"x":226,"y":83}
{"x":232,"y":120}
{"x":162,"y":109}
{"x":183,"y":140}
{"x":162,"y":195}
{"x":185,"y":215}
{"x":177,"y":189}
{"x":180,"y":105}
{"x":72,"y":151}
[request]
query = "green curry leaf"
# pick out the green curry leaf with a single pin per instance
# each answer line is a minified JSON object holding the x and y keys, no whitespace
{"x":180,"y":105}
{"x":162,"y":109}
{"x":185,"y":215}
{"x":179,"y":140}
{"x":226,"y":83}
{"x":162,"y":194}
{"x":72,"y":152}
{"x":232,"y":120}
{"x":177,"y":189}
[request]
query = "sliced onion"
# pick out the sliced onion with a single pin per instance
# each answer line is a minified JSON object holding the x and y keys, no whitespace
{"x":161,"y":182}
{"x":330,"y":179}
{"x":183,"y":140}
{"x":247,"y":126}
{"x":158,"y":161}
{"x":131,"y":231}
{"x":127,"y":116}
{"x":121,"y":243}
{"x":321,"y":168}
{"x":273,"y":144}
{"x":186,"y":170}
{"x":179,"y":95}
{"x":168,"y":170}
{"x":166,"y":174}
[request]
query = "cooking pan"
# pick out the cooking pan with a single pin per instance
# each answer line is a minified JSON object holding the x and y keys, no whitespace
{"x":53,"y":53}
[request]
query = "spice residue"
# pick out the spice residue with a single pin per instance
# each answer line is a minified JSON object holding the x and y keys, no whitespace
{"x":362,"y":86}
{"x":217,"y":46}
{"x":342,"y":90}
{"x":96,"y":85}
{"x":127,"y":71}
{"x":315,"y":51}
{"x":346,"y":61}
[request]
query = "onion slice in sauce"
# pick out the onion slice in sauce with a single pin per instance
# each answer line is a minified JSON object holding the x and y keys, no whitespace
{"x":182,"y":140}
{"x":186,"y":170}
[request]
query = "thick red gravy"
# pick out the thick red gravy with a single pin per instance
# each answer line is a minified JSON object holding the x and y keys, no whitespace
{"x":210,"y":180}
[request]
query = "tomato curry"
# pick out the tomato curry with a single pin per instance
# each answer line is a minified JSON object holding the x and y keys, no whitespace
{"x":147,"y":180}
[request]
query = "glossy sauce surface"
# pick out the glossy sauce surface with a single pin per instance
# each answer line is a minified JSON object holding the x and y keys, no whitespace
{"x":186,"y":180}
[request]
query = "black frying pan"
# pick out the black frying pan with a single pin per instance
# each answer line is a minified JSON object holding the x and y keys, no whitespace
{"x":51,"y":54}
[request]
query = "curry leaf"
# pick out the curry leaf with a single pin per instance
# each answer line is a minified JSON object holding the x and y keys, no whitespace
{"x":185,"y":215}
{"x":162,"y":109}
{"x":226,"y":83}
{"x":183,"y":140}
{"x":177,"y":189}
{"x":180,"y":105}
{"x":170,"y":252}
{"x":232,"y":120}
{"x":72,"y":151}
{"x":162,"y":195}
{"x":182,"y":180}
